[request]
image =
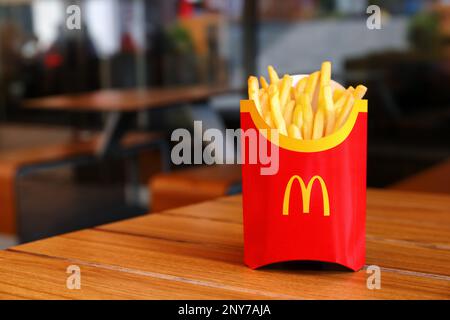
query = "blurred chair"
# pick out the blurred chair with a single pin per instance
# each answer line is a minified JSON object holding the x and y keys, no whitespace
{"x":435,"y":179}
{"x":58,"y":149}
{"x":188,"y":186}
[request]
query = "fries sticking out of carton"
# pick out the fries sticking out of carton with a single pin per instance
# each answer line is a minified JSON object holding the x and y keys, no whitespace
{"x":311,"y":108}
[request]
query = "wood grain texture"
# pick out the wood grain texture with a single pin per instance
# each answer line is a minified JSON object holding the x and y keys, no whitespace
{"x":97,"y":282}
{"x":130,"y":100}
{"x":201,"y":245}
{"x":221,"y":266}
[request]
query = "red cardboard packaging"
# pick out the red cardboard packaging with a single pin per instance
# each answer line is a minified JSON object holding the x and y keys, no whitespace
{"x":314,"y":206}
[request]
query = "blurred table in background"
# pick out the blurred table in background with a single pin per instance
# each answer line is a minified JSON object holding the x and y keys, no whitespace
{"x":196,"y":252}
{"x":117,"y":104}
{"x":27,"y":149}
{"x":126,"y":100}
{"x":435,"y":179}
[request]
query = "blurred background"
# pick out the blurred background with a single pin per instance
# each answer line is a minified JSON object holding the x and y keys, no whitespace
{"x":86,"y":112}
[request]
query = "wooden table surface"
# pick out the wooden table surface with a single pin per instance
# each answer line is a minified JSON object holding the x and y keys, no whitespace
{"x":126,"y":100}
{"x":196,"y":252}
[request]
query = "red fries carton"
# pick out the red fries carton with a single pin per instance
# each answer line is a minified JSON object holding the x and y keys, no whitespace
{"x":314,"y":206}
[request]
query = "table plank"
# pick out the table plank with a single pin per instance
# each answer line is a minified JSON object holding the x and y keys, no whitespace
{"x":216,"y":210}
{"x":394,"y":239}
{"x":383,"y":251}
{"x":425,"y":208}
{"x":126,"y":100}
{"x":28,"y":276}
{"x":422,"y":218}
{"x":180,"y":228}
{"x":410,"y":231}
{"x":221,"y":266}
{"x":201,"y":245}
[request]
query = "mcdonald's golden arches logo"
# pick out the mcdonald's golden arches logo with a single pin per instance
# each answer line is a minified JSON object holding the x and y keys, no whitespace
{"x":306,"y":194}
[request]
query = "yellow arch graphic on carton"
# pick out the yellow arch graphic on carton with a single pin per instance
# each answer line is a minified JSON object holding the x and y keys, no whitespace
{"x":306,"y":194}
{"x":293,"y":144}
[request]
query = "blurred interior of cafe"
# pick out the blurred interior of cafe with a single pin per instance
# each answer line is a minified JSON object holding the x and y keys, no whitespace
{"x":88,"y":103}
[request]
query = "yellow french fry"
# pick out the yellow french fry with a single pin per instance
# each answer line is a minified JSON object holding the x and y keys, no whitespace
{"x":325,"y":74}
{"x":273,"y":75}
{"x":328,"y":96}
{"x":308,"y":115}
{"x":311,"y":84}
{"x":260,"y":93}
{"x":288,"y":111}
{"x":268,"y":119}
{"x":253,"y":92}
{"x":292,"y":95}
{"x":325,"y":78}
{"x":285,"y":91}
{"x":341,"y":101}
{"x":275,"y":110}
{"x":264,"y":99}
{"x":344,"y":113}
{"x":297,"y":116}
{"x":307,"y":130}
{"x":337,"y":94}
{"x":294,"y":132}
{"x":300,"y":86}
{"x":330,"y":117}
{"x":359,"y":92}
{"x":318,"y":125}
{"x":264,"y":83}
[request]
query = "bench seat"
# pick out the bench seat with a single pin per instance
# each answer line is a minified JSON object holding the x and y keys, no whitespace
{"x":187,"y":186}
{"x":13,"y":161}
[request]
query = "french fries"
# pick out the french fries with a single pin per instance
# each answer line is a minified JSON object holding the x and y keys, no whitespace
{"x":310,"y":110}
{"x":253,"y":92}
{"x":319,"y":119}
{"x":308,"y":115}
{"x":275,"y":109}
{"x":285,"y":91}
{"x":325,"y":78}
{"x":330,"y":116}
{"x":297,"y":116}
{"x":264,"y":83}
{"x":273,"y":75}
{"x":294,"y":132}
{"x":337,"y":93}
{"x":288,"y":112}
{"x":300,"y":86}
{"x":311,"y":84}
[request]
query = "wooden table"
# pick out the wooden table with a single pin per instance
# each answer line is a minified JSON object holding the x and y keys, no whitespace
{"x":125,"y":100}
{"x":434,"y":179}
{"x":196,"y":252}
{"x":118,"y":104}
